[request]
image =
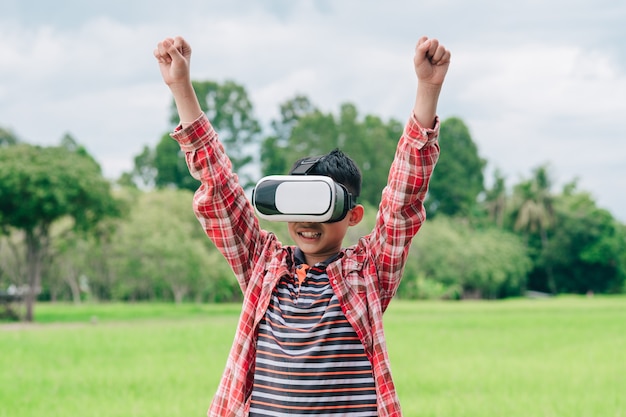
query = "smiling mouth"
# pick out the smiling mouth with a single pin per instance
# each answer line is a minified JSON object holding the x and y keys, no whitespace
{"x":310,"y":235}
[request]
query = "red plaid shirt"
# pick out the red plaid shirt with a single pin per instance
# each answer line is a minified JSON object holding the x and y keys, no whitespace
{"x":365,"y":276}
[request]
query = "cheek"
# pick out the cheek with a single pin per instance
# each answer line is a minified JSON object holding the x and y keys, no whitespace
{"x":337,"y":229}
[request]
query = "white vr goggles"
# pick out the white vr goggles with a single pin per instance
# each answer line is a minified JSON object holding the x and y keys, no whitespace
{"x":301,"y":197}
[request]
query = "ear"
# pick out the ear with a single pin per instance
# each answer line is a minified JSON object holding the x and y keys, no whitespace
{"x":356,"y":215}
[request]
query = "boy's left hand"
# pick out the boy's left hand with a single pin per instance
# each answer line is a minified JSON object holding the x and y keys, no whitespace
{"x":431,"y":61}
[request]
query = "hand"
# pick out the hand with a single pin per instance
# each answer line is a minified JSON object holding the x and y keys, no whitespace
{"x":173,"y":56}
{"x":431,"y":61}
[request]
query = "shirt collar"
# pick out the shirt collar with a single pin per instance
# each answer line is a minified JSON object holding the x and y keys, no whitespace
{"x":299,"y":257}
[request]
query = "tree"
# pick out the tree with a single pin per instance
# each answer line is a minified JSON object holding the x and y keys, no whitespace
{"x":231,"y":113}
{"x":145,"y":170}
{"x":275,"y":158}
{"x":41,"y":185}
{"x":304,"y":130}
{"x":533,"y":214}
{"x":371,"y":143}
{"x":496,"y":199}
{"x":170,"y":166}
{"x":458,"y":178}
{"x":586,"y":250}
{"x":69,"y":265}
{"x":162,"y":253}
{"x":485,"y":263}
{"x":291,"y":111}
{"x":315,"y":134}
{"x":80,"y":263}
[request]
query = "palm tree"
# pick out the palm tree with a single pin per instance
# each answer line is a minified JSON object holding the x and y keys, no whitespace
{"x":534,"y":212}
{"x":496,"y":199}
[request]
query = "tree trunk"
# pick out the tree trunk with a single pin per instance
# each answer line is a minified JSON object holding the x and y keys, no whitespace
{"x":179,"y":293}
{"x":74,"y":288}
{"x":71,"y":278}
{"x":33,"y":272}
{"x":36,"y":246}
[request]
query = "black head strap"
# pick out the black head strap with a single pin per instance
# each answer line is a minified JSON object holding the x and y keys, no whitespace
{"x":306,"y":165}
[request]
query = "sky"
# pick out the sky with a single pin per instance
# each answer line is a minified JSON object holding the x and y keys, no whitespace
{"x":537,"y":82}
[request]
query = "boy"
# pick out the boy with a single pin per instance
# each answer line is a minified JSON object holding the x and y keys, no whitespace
{"x":310,"y":339}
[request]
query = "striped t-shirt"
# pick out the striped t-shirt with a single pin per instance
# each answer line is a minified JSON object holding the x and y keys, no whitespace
{"x":309,"y":359}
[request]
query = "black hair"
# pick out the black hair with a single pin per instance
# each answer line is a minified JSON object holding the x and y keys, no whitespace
{"x":338,"y":166}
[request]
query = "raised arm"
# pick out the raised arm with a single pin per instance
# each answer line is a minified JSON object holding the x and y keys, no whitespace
{"x":431,"y":63}
{"x":401,"y":212}
{"x":220,"y":203}
{"x":174,"y":56}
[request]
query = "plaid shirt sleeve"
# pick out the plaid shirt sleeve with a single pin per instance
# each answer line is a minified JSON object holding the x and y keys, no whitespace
{"x":220,"y":204}
{"x":401,"y":212}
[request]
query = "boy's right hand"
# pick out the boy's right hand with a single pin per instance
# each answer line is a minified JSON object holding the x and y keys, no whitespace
{"x":431,"y":61}
{"x":173,"y":56}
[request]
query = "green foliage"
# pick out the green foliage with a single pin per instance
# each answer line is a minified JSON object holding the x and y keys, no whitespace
{"x":458,"y":178}
{"x":533,"y":203}
{"x":144,"y":170}
{"x":482,"y":243}
{"x":586,"y":249}
{"x":532,"y":216}
{"x":304,"y":130}
{"x":373,"y":146}
{"x":495,"y":202}
{"x":231,"y":113}
{"x":171,"y":168}
{"x":415,"y":286}
{"x":160,"y":253}
{"x":69,"y":263}
{"x":575,"y":246}
{"x":275,"y":157}
{"x":40,"y":185}
{"x":470,"y":263}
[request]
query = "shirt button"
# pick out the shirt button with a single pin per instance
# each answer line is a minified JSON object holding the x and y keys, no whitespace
{"x":335,"y":281}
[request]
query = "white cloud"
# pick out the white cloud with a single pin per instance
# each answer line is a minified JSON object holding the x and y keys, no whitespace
{"x":543,"y":103}
{"x":531,"y":89}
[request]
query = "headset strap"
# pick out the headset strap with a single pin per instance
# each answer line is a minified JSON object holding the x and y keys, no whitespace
{"x":306,"y":165}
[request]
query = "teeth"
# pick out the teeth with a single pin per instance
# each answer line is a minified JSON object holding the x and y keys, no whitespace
{"x":310,"y":235}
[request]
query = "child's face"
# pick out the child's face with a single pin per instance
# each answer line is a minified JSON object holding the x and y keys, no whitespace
{"x":319,"y":241}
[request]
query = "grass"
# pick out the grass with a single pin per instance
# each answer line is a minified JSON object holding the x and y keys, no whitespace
{"x":557,"y":357}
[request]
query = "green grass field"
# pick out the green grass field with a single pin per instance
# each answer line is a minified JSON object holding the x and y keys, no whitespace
{"x":552,"y":357}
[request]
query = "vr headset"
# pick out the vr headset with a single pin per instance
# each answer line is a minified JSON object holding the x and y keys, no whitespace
{"x":301,"y":198}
